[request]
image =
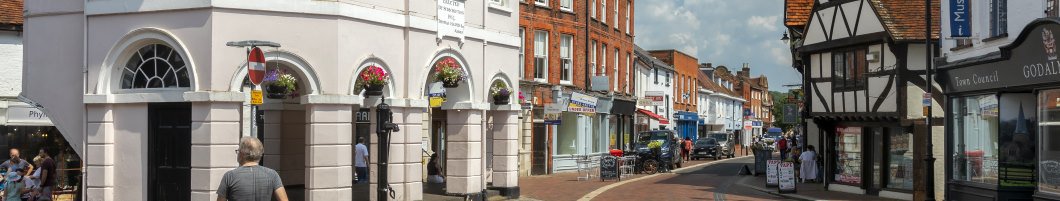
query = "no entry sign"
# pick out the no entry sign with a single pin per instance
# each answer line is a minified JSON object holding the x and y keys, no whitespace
{"x":256,"y":66}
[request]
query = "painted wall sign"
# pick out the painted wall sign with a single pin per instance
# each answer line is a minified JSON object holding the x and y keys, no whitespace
{"x":1031,"y":60}
{"x":658,"y":98}
{"x":600,"y":83}
{"x":960,"y":26}
{"x":363,"y":116}
{"x":25,"y":115}
{"x":451,"y":19}
{"x":582,"y":103}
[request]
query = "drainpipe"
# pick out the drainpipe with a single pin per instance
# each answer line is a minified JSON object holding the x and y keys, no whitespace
{"x":84,"y":90}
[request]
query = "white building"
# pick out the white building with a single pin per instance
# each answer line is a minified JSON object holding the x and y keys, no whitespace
{"x":719,"y":107}
{"x":149,"y":93}
{"x":654,"y":78}
{"x":999,"y":73}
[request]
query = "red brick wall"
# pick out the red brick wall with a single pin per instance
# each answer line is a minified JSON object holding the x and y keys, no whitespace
{"x":555,"y":22}
{"x":685,"y":80}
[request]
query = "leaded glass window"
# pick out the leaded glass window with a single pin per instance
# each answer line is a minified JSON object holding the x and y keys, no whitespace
{"x":155,"y":66}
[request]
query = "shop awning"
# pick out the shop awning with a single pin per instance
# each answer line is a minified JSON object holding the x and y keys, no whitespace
{"x":662,"y":120}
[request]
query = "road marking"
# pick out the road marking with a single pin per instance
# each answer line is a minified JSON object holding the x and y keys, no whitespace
{"x":601,"y":190}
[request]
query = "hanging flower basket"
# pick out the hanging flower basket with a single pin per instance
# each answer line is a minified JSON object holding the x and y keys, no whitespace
{"x":372,"y":79}
{"x":448,"y":71}
{"x":280,"y":85}
{"x":501,"y":94}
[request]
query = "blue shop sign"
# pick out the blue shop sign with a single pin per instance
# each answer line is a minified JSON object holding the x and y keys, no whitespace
{"x":960,"y":26}
{"x":756,"y":123}
{"x":686,"y":116}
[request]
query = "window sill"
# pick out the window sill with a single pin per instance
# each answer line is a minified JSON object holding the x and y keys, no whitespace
{"x":566,"y":10}
{"x":962,"y":47}
{"x":566,"y":83}
{"x":997,"y":37}
{"x":500,"y":8}
{"x":541,"y":80}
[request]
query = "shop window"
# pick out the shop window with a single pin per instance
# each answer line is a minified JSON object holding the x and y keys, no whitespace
{"x":901,"y":160}
{"x":1051,"y":8}
{"x":849,"y":69}
{"x":975,"y":126}
{"x":155,"y":66}
{"x":1049,"y":125}
{"x":848,"y":155}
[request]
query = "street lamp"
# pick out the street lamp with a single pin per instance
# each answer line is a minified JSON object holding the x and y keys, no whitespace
{"x":785,"y":38}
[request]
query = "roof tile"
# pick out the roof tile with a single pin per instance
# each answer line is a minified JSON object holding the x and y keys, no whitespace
{"x":11,"y":12}
{"x":905,"y":18}
{"x":797,"y":12}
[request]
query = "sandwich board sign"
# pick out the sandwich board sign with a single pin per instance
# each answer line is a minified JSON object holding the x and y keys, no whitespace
{"x":787,"y":177}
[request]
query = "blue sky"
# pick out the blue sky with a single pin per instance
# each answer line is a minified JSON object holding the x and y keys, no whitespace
{"x":722,"y":32}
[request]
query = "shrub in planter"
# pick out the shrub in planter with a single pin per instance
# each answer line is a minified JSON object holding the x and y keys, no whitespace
{"x":448,"y":71}
{"x":280,"y":85}
{"x":373,"y":79}
{"x":501,"y":94}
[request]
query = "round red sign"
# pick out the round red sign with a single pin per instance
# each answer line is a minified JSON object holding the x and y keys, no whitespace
{"x":256,"y":66}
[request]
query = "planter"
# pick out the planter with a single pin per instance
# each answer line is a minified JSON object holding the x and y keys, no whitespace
{"x":501,"y":100}
{"x":276,"y":92}
{"x":450,"y":84}
{"x":373,"y":90}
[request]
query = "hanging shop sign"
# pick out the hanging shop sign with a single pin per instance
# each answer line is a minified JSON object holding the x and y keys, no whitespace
{"x":26,"y":115}
{"x":436,"y":94}
{"x":451,"y":19}
{"x":1031,"y":60}
{"x":791,"y":113}
{"x":658,"y":98}
{"x":747,"y":125}
{"x":256,"y":66}
{"x":582,"y":103}
{"x":553,"y":111}
{"x":960,"y":26}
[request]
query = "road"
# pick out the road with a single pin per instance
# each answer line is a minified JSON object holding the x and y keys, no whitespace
{"x":715,"y":181}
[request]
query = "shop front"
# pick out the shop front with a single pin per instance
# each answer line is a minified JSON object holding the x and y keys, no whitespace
{"x":622,"y":112}
{"x":28,"y":129}
{"x":583,"y":130}
{"x":687,"y":124}
{"x":869,"y":157}
{"x":1003,"y":120}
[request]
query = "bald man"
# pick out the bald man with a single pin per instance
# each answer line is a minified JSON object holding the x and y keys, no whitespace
{"x":250,"y":181}
{"x":15,"y":162}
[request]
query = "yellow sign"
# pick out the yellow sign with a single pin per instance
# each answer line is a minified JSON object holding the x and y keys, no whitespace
{"x":437,"y":101}
{"x":255,"y":97}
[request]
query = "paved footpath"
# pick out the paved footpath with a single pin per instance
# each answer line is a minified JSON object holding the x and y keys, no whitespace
{"x":715,"y":181}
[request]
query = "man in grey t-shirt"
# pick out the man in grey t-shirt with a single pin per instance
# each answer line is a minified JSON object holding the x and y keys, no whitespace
{"x":251,"y":181}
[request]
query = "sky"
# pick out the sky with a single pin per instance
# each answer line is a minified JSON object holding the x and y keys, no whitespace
{"x":722,"y":32}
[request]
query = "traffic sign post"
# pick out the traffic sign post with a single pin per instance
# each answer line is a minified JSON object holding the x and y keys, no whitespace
{"x":256,"y":74}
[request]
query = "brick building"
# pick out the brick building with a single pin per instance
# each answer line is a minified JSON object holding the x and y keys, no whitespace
{"x":754,"y":90}
{"x":686,"y":69}
{"x":579,"y":50}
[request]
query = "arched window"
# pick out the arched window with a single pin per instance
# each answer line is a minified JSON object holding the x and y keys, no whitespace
{"x":155,"y":66}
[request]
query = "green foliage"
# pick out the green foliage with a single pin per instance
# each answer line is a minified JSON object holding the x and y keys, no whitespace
{"x":655,"y":144}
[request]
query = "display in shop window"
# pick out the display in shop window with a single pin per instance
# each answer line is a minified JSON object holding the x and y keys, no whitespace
{"x":848,"y":153}
{"x":1018,"y":158}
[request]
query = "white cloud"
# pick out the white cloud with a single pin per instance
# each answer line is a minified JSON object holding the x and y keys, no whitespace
{"x":766,"y":22}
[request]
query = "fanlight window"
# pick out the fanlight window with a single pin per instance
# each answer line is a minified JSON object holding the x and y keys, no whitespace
{"x":155,"y":66}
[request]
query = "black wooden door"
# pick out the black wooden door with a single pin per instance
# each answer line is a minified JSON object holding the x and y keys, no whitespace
{"x":169,"y":151}
{"x":540,"y":152}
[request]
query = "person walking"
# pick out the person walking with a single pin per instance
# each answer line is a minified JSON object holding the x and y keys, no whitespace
{"x":15,"y":162}
{"x":251,"y":181}
{"x":360,"y":160}
{"x":15,"y":185}
{"x":686,"y":148}
{"x":782,"y":145}
{"x":808,"y":167}
{"x":46,"y":175}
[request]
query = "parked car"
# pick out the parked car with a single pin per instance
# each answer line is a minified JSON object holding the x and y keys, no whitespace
{"x":706,"y":148}
{"x":726,"y":143}
{"x":769,"y":138}
{"x":670,"y":150}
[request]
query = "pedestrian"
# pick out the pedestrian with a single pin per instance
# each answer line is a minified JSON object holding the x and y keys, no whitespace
{"x":808,"y":168}
{"x":434,"y":170}
{"x":250,"y":181}
{"x":46,"y":174}
{"x":782,"y":145}
{"x":15,"y":184}
{"x":360,"y":160}
{"x":33,"y":180}
{"x":686,"y":148}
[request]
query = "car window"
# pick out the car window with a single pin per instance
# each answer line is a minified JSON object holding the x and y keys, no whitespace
{"x":707,"y":141}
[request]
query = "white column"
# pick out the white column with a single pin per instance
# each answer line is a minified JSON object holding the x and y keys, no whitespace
{"x":273,"y":132}
{"x":329,"y":153}
{"x":405,"y":164}
{"x":215,"y":133}
{"x":505,"y":148}
{"x":464,"y":161}
{"x":99,"y":156}
{"x":526,"y":142}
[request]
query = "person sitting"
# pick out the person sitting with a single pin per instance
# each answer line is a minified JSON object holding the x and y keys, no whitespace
{"x":434,"y":170}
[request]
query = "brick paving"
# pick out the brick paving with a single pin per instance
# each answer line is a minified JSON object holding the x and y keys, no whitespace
{"x":566,"y":186}
{"x":806,"y":191}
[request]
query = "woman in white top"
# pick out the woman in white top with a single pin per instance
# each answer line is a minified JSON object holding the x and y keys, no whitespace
{"x":808,"y":168}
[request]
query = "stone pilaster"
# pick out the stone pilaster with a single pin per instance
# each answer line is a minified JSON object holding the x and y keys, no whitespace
{"x":405,"y":164}
{"x":215,"y":132}
{"x":505,"y":131}
{"x":464,"y":164}
{"x":329,"y":152}
{"x":99,"y":156}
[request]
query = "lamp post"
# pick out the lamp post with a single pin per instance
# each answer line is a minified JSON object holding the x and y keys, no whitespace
{"x":248,"y":45}
{"x":929,"y":158}
{"x":384,"y":126}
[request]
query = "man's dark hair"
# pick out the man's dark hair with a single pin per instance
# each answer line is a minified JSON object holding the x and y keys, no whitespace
{"x":45,"y":151}
{"x":360,"y":140}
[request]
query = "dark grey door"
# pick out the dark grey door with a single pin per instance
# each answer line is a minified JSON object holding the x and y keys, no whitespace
{"x":169,"y":151}
{"x":540,"y":152}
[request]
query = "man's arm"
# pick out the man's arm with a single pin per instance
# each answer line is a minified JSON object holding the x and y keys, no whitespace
{"x":219,"y":198}
{"x":280,"y":193}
